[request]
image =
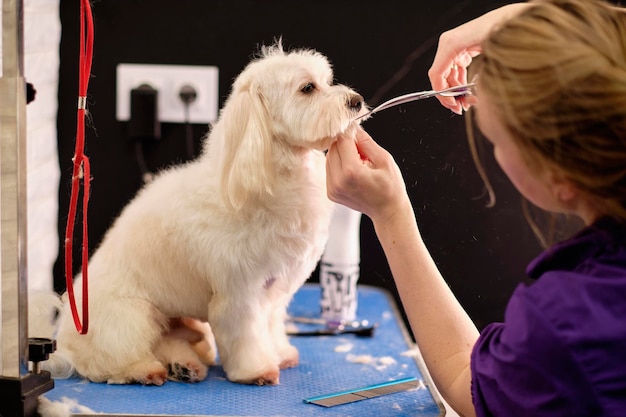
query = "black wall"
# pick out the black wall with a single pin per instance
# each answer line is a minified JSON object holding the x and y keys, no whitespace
{"x":380,"y":48}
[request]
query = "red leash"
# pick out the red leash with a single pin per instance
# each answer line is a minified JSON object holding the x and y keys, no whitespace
{"x":81,"y":171}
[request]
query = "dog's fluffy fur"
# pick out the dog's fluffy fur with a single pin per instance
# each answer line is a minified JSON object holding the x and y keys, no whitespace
{"x":226,"y":239}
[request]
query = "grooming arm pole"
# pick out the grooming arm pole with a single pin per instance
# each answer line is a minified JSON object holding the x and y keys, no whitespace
{"x":19,"y":387}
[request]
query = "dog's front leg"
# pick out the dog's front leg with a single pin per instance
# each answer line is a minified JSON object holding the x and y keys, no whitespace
{"x":241,"y":328}
{"x":289,"y":356}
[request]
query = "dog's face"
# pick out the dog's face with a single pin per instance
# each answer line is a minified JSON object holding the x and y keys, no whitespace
{"x":296,"y":90}
{"x":280,"y":105}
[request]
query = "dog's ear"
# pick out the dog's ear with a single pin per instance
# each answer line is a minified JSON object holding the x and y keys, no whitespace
{"x":247,"y":161}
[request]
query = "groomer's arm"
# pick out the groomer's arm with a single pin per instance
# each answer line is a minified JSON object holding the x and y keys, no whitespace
{"x":366,"y":178}
{"x":442,"y":329}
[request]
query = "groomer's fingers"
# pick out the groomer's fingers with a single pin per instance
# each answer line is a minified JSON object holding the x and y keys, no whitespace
{"x":344,"y":166}
{"x":369,"y":151}
{"x":338,"y":164}
{"x":338,"y":160}
{"x":346,"y":146}
{"x":450,"y":72}
{"x":353,"y":153}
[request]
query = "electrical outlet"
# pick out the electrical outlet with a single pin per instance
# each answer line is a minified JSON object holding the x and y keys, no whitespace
{"x":168,"y":80}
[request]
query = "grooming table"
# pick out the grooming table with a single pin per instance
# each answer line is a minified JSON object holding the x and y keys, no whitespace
{"x":328,"y":365}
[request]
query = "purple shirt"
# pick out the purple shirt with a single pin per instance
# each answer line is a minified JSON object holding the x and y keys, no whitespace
{"x":561,"y":351}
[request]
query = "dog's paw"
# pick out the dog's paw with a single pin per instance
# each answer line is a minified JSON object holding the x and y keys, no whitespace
{"x":152,"y":373}
{"x":154,"y":378}
{"x":189,"y":372}
{"x":289,"y":357}
{"x":289,"y":363}
{"x":271,"y":377}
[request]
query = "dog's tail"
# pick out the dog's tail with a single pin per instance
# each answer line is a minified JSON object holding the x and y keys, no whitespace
{"x":43,"y":311}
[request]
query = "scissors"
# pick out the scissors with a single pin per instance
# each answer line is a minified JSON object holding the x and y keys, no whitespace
{"x":457,"y":91}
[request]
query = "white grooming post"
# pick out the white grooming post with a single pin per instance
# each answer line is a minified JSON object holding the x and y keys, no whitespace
{"x":19,"y":387}
{"x":339,"y":266}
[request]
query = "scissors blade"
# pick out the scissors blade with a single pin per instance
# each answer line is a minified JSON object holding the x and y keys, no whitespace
{"x":460,"y":90}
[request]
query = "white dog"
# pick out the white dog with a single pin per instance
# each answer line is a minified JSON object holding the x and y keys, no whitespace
{"x":226,"y":239}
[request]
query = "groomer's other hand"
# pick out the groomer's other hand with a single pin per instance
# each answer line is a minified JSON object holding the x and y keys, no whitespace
{"x":456,"y":49}
{"x":362,"y":175}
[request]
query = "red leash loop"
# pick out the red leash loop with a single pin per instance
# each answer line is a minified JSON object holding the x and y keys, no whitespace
{"x":81,"y":171}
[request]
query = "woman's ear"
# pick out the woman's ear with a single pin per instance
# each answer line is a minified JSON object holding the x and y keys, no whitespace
{"x":563,"y":189}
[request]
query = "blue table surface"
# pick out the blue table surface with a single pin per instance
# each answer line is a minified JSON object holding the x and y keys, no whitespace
{"x":328,"y":364}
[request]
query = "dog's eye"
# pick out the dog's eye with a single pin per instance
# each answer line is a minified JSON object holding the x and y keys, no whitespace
{"x":309,"y":88}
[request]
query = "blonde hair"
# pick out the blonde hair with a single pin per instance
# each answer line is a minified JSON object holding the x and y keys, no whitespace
{"x":556,"y":74}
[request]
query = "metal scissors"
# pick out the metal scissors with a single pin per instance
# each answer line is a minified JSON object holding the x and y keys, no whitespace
{"x":457,"y":91}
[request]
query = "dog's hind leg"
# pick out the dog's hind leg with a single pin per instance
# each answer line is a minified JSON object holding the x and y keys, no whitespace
{"x":118,"y":348}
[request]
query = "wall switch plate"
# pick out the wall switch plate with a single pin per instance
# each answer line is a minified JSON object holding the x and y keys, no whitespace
{"x":168,"y":80}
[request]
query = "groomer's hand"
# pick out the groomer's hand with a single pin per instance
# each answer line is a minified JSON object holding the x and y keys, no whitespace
{"x":457,"y":47}
{"x":363,"y":176}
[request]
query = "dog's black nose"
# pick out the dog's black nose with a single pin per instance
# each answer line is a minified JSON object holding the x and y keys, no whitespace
{"x":355,"y":102}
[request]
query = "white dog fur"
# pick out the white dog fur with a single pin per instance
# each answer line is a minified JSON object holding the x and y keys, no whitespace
{"x":225,"y":239}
